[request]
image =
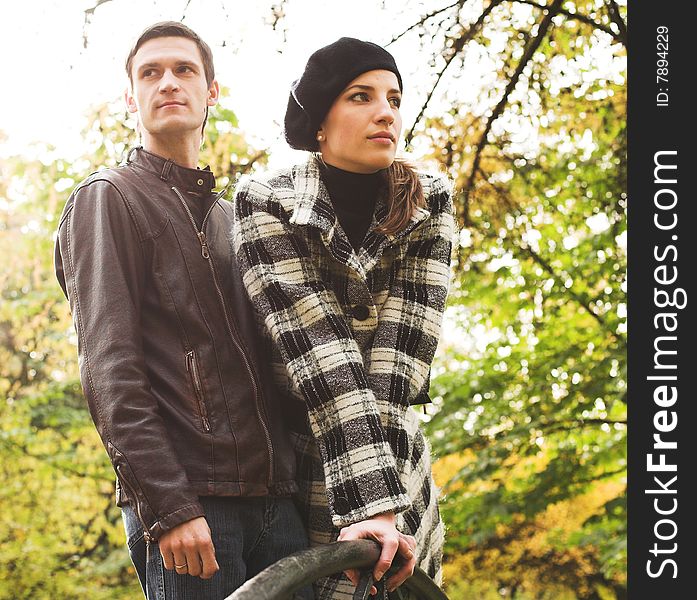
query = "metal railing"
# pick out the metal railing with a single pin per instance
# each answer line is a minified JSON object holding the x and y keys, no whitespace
{"x":280,"y":580}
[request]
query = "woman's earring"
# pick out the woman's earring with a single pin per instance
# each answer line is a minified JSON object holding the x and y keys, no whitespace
{"x":320,"y":137}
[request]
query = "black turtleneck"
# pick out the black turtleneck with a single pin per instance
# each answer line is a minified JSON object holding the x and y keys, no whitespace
{"x":353,"y":196}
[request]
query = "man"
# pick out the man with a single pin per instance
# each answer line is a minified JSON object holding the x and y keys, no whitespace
{"x":167,"y":345}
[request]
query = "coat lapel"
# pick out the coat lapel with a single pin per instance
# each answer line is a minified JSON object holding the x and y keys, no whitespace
{"x":312,"y":207}
{"x":375,"y":243}
{"x":312,"y":204}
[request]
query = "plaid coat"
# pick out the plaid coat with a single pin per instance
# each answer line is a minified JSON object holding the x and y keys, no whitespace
{"x":353,"y":336}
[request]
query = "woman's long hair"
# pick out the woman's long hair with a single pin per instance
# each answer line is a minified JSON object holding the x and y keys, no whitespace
{"x":404,"y":194}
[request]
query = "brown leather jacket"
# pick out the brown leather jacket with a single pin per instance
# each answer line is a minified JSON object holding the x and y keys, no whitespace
{"x":169,"y":359}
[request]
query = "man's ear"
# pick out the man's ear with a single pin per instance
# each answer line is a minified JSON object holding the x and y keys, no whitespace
{"x":130,"y":101}
{"x":213,"y":93}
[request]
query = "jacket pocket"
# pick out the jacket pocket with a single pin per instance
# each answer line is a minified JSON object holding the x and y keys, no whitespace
{"x":194,"y":373}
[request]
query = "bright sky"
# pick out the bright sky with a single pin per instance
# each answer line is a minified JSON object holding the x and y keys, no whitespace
{"x":53,"y":78}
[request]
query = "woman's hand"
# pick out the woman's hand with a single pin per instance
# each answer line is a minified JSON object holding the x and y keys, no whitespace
{"x":381,"y":528}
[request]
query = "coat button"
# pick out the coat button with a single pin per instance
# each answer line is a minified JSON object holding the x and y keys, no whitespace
{"x":360,"y":312}
{"x":200,"y":182}
{"x":341,"y":506}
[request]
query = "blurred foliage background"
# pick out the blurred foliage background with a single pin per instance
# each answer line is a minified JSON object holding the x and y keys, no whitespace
{"x":529,"y":386}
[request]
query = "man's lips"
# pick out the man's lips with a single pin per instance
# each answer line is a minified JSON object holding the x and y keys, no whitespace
{"x":172,"y":103}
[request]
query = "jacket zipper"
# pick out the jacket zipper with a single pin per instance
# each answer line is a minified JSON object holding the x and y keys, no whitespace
{"x":206,"y":255}
{"x":192,"y":368}
{"x":134,"y":498}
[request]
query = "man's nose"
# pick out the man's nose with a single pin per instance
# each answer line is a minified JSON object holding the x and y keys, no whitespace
{"x":169,"y":82}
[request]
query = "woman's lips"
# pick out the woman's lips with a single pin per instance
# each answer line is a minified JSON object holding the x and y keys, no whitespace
{"x":382,"y":138}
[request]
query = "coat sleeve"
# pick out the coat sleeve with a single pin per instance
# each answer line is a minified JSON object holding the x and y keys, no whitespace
{"x":101,"y":267}
{"x":322,"y":359}
{"x":410,"y":319}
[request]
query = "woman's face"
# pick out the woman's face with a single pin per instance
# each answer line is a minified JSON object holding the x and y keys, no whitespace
{"x":361,"y":129}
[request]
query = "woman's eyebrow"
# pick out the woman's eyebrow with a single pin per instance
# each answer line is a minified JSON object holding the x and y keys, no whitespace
{"x":370,"y":88}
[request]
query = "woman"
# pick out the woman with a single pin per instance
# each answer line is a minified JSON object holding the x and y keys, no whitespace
{"x":346,"y":261}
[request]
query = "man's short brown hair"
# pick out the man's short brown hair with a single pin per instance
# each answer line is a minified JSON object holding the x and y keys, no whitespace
{"x":173,"y":29}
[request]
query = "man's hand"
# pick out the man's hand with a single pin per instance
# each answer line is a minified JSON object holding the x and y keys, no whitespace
{"x":381,"y":528}
{"x":188,"y":549}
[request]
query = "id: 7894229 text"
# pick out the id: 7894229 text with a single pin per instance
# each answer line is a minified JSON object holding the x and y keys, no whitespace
{"x":662,"y":97}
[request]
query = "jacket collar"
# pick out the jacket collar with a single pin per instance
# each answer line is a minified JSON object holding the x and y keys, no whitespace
{"x":199,"y":181}
{"x":312,"y":207}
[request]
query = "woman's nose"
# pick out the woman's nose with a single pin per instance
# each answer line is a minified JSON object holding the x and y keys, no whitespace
{"x":384,"y":112}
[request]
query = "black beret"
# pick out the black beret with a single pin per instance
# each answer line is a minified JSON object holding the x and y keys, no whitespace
{"x":326,"y":74}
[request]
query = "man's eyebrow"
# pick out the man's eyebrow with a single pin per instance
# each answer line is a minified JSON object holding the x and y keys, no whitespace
{"x":179,"y":63}
{"x":370,"y":88}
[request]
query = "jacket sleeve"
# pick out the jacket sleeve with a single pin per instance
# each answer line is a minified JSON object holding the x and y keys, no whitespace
{"x":410,"y":319}
{"x":101,"y":266}
{"x":322,"y":359}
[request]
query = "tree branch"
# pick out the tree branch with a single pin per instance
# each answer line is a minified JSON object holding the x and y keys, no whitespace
{"x":186,"y":7}
{"x":617,"y":19}
{"x":583,"y":301}
{"x":425,"y":18}
{"x":457,"y":47}
{"x":577,"y":17}
{"x":599,"y":476}
{"x":532,"y":47}
{"x":89,"y":13}
{"x":575,"y":295}
{"x":482,"y":442}
{"x":571,"y":424}
{"x":240,"y":169}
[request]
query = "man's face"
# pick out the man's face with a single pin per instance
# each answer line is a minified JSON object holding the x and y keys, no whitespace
{"x":169,"y":90}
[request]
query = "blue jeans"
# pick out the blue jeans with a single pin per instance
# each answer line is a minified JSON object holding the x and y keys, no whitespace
{"x":249,"y":534}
